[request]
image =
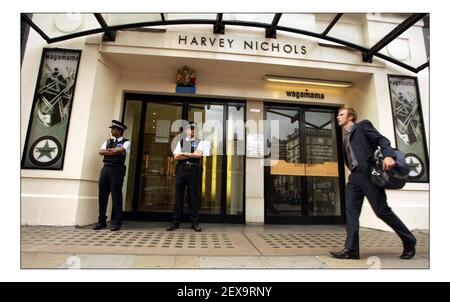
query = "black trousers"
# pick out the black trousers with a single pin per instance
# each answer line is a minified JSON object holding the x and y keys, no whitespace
{"x":111,"y":181}
{"x":358,"y":186}
{"x":187,"y":178}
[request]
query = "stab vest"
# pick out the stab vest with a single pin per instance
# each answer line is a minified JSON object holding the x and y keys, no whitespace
{"x":189,"y":147}
{"x":118,"y":159}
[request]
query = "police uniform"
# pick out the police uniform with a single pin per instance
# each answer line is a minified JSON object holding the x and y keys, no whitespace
{"x":187,"y":177}
{"x":111,"y":180}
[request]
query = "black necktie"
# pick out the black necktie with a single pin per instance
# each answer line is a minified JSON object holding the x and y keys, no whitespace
{"x":192,"y":146}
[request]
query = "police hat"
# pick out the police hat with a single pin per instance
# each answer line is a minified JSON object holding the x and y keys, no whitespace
{"x":117,"y":124}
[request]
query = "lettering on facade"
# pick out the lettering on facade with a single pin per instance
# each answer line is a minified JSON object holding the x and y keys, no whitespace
{"x":305,"y":94}
{"x":273,"y":47}
{"x":403,"y":83}
{"x":56,"y":57}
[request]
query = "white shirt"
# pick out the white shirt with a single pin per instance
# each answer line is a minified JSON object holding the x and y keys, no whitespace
{"x":188,"y":140}
{"x":125,"y":145}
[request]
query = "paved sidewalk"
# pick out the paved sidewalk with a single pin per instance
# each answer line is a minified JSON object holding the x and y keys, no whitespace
{"x":149,"y":245}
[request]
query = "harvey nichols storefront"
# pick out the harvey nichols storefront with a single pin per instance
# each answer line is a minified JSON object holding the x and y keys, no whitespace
{"x":263,"y":87}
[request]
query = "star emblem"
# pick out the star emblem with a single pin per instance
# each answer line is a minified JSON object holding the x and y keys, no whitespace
{"x":46,"y":151}
{"x":413,"y":166}
{"x":416,"y":167}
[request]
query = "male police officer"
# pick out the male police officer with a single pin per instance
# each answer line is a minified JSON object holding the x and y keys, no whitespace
{"x":111,"y":177}
{"x":188,"y":152}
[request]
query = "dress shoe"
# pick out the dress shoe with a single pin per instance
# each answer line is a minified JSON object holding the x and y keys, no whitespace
{"x":196,"y":227}
{"x":173,"y":226}
{"x":408,"y":252}
{"x":115,"y":227}
{"x":345,"y":254}
{"x":99,"y":226}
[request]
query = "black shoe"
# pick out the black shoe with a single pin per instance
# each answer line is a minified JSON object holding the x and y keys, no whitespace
{"x":345,"y":254}
{"x":115,"y":227}
{"x":172,"y":226}
{"x":196,"y":227}
{"x":99,"y":226}
{"x":408,"y":252}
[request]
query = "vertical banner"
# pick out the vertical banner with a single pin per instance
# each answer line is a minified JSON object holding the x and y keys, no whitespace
{"x":49,"y":120}
{"x":408,"y":124}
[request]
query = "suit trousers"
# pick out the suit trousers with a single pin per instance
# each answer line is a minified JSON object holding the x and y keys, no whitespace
{"x":187,"y":178}
{"x":358,"y":186}
{"x":111,"y":181}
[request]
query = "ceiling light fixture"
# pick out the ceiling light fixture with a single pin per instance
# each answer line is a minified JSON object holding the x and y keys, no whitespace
{"x":303,"y":81}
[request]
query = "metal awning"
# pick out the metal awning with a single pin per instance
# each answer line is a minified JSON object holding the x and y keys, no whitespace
{"x":108,"y":24}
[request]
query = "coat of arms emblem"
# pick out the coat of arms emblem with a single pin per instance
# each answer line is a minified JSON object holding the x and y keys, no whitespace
{"x":185,"y":77}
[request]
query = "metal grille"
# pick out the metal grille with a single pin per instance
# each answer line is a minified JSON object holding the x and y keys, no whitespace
{"x":140,"y":242}
{"x":307,"y":243}
{"x":229,"y":243}
{"x":128,"y":239}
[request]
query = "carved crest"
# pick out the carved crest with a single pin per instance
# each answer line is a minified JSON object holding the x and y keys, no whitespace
{"x":185,"y":77}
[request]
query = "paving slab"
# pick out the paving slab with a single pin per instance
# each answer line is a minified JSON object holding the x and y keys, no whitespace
{"x":166,"y":262}
{"x":418,"y":262}
{"x":138,"y":242}
{"x":43,"y":260}
{"x":218,"y":246}
{"x":366,"y":262}
{"x":231,"y":262}
{"x":293,"y":262}
{"x":97,"y":261}
{"x":316,"y":243}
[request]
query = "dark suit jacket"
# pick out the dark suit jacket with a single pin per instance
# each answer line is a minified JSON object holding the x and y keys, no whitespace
{"x":364,"y":140}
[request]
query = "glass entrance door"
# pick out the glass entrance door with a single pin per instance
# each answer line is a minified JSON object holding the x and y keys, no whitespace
{"x":283,"y":183}
{"x":150,"y":181}
{"x":211,"y":189}
{"x":157,"y":187}
{"x":303,"y":183}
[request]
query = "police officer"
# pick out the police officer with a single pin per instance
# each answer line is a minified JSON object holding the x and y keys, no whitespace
{"x":188,"y":153}
{"x":111,"y":177}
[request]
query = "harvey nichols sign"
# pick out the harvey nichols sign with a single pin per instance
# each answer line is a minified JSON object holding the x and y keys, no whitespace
{"x":242,"y":45}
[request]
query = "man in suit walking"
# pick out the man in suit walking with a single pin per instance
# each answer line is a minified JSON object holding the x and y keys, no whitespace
{"x":360,"y":142}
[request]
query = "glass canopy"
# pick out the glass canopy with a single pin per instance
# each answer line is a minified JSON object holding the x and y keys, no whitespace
{"x":349,"y":30}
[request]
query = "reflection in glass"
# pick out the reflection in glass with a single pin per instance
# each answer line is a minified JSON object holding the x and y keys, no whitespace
{"x":132,"y":120}
{"x":284,"y":191}
{"x":157,"y":192}
{"x":324,"y":198}
{"x":321,"y":148}
{"x":212,"y":165}
{"x":283,"y":144}
{"x":235,"y":160}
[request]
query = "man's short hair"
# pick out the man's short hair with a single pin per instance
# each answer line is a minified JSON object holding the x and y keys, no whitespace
{"x":352,"y":112}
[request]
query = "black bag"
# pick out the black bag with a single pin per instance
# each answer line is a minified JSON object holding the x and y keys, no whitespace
{"x":396,"y":177}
